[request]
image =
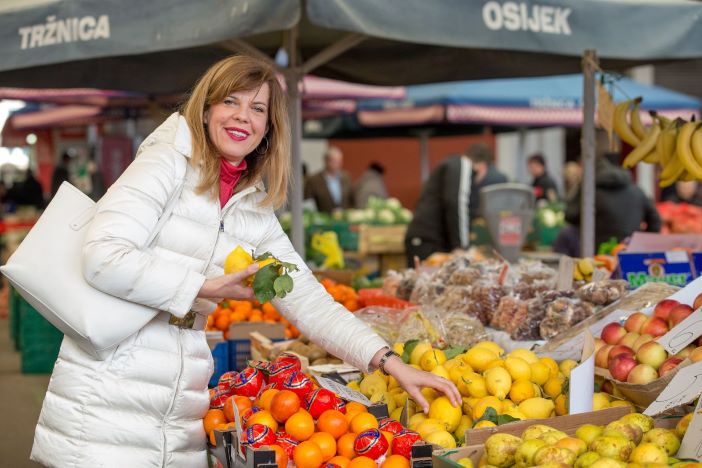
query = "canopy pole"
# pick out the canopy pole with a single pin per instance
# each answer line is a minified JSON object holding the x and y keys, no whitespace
{"x":588,"y":154}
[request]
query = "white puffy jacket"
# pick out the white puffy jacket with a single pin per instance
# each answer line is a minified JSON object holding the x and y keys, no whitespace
{"x":143,"y":406}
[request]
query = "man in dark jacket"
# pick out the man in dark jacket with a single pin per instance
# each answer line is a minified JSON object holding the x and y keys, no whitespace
{"x":448,"y":202}
{"x":621,"y":207}
{"x":330,"y":188}
{"x":544,"y":186}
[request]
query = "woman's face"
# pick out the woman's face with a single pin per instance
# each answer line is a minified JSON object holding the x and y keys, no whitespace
{"x":237,"y":125}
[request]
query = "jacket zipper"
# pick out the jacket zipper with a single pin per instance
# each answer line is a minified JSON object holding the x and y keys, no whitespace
{"x":221,"y":213}
{"x":175,"y":394}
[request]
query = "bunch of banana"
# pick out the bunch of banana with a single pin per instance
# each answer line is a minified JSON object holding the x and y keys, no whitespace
{"x":583,"y":268}
{"x":675,"y":145}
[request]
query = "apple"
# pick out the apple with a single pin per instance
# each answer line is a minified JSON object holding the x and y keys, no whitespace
{"x":669,"y":365}
{"x":635,"y":322}
{"x":607,"y":387}
{"x":679,"y":313}
{"x":612,"y":333}
{"x":602,"y":356}
{"x":654,"y":326}
{"x":652,"y":353}
{"x":663,"y":308}
{"x":642,"y":374}
{"x":599,"y":342}
{"x":685,"y":352}
{"x":629,"y":339}
{"x":640,"y":341}
{"x":696,"y":354}
{"x":698,"y":302}
{"x":620,"y":349}
{"x":621,"y":365}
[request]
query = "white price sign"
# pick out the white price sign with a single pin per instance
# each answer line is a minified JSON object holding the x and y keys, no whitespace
{"x":343,"y":391}
{"x":682,"y":389}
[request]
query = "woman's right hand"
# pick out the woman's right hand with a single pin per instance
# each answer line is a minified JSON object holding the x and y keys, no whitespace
{"x":229,"y":286}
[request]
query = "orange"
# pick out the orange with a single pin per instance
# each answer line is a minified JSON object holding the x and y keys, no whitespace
{"x":284,"y":404}
{"x":222,"y":322}
{"x":395,"y":461}
{"x":300,"y":425}
{"x":355,"y":407}
{"x":281,"y":458}
{"x":307,"y":455}
{"x":263,"y":417}
{"x":362,"y":462}
{"x":340,"y":460}
{"x":388,"y":436}
{"x":264,"y":401}
{"x":334,"y":422}
{"x":326,"y":442}
{"x":221,"y":427}
{"x":242,"y":403}
{"x":344,"y":446}
{"x":212,"y":418}
{"x":363,"y":421}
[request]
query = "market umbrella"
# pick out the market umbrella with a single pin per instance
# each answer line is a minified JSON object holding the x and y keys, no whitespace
{"x":161,"y":46}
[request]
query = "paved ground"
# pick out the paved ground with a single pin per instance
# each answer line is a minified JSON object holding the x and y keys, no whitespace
{"x":20,"y":403}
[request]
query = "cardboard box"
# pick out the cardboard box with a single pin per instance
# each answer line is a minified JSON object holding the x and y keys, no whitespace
{"x":240,"y":340}
{"x":340,"y":276}
{"x":381,"y":239}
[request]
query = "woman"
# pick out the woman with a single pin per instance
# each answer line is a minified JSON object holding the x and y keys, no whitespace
{"x":144,"y":404}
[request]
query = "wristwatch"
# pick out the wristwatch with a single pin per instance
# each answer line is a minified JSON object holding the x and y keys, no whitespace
{"x":384,"y":358}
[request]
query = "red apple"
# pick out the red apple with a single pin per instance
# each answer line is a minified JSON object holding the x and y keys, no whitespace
{"x":629,"y":339}
{"x":663,"y":308}
{"x":685,"y":352}
{"x":620,"y":366}
{"x":652,"y":353}
{"x":698,"y":302}
{"x":599,"y":342}
{"x":679,"y":313}
{"x":696,"y":354}
{"x":620,"y":349}
{"x":635,"y":322}
{"x":642,"y":374}
{"x":612,"y":333}
{"x":608,"y":387}
{"x":669,"y":365}
{"x":602,"y":356}
{"x":654,"y":326}
{"x":640,"y":341}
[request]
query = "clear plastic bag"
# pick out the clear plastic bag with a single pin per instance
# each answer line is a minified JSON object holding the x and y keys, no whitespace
{"x":603,"y":292}
{"x":456,"y":328}
{"x":562,"y":314}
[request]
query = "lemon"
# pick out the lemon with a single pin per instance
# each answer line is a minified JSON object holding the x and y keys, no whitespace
{"x":237,"y":260}
{"x":429,"y":393}
{"x":442,"y":410}
{"x":495,"y":363}
{"x":465,"y":462}
{"x":468,"y":405}
{"x":561,"y":405}
{"x":441,"y":372}
{"x":465,"y":423}
{"x":518,"y":368}
{"x":472,"y":384}
{"x":484,"y":403}
{"x":540,"y":372}
{"x":625,"y":403}
{"x":508,"y":404}
{"x":479,"y":358}
{"x":432,"y":358}
{"x":456,"y":363}
{"x":515,"y":413}
{"x":457,"y":372}
{"x":392,"y":382}
{"x":484,"y":423}
{"x":415,"y":420}
{"x":567,"y":366}
{"x":551,"y":364}
{"x":553,"y":387}
{"x":353,"y":385}
{"x":428,"y":426}
{"x":525,"y":354}
{"x":399,"y":348}
{"x":521,"y":390}
{"x":498,"y":382}
{"x":490,"y":345}
{"x":396,"y":414}
{"x":537,"y":408}
{"x":600,"y":401}
{"x":418,"y":351}
{"x":441,"y":438}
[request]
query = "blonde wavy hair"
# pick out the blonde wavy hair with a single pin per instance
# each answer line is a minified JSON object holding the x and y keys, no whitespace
{"x":241,"y":73}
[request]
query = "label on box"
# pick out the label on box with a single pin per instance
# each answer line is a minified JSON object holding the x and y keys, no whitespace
{"x":683,"y":333}
{"x":343,"y":391}
{"x":677,"y":256}
{"x":510,"y":230}
{"x":582,"y":378}
{"x":682,"y":389}
{"x":691,"y":445}
{"x":640,"y":268}
{"x":697,"y":263}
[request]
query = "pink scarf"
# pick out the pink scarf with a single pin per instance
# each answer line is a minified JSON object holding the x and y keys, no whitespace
{"x":229,"y":176}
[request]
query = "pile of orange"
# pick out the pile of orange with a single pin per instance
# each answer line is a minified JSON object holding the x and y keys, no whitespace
{"x":342,"y":293}
{"x":231,"y":311}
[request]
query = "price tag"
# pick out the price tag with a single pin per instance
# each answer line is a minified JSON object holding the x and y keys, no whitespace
{"x":691,"y":445}
{"x":682,"y":389}
{"x":510,"y":230}
{"x":565,"y":273}
{"x":683,"y":333}
{"x":343,"y":391}
{"x":677,"y":256}
{"x":582,"y":378}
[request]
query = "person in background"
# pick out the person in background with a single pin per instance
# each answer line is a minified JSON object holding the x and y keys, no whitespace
{"x":544,"y":186}
{"x":685,"y":192}
{"x":331,"y":187}
{"x":28,"y":192}
{"x":370,"y":184}
{"x":61,"y":173}
{"x":572,"y":175}
{"x":484,"y":174}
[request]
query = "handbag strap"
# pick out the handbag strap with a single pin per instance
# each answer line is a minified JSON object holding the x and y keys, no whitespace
{"x":181,"y":169}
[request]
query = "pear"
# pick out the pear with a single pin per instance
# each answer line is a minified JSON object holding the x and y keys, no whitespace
{"x":524,"y":455}
{"x":554,"y":454}
{"x":606,"y":462}
{"x":631,"y":431}
{"x":587,"y":459}
{"x":649,"y":453}
{"x":663,"y":438}
{"x":552,"y":437}
{"x":617,"y":448}
{"x":641,"y":420}
{"x":588,"y":433}
{"x":534,"y":431}
{"x":500,"y":449}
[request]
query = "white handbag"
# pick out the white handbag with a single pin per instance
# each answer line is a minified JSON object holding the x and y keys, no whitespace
{"x":46,"y":270}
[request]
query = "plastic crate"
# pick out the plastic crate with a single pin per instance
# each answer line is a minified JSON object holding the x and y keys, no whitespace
{"x":14,"y":300}
{"x":220,"y":356}
{"x":347,"y":234}
{"x":40,"y":341}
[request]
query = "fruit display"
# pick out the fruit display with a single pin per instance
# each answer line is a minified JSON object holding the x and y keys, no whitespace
{"x":674,"y":145}
{"x":229,"y":312}
{"x":282,"y":409}
{"x":680,"y":218}
{"x":270,"y":281}
{"x":343,"y":294}
{"x":631,"y":439}
{"x":584,"y":268}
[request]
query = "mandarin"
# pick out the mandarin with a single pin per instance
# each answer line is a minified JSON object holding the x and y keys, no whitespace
{"x":241,"y":402}
{"x":344,"y":446}
{"x":263,"y":417}
{"x":334,"y":422}
{"x":284,"y":404}
{"x":362,"y":462}
{"x":212,"y":418}
{"x":300,"y":425}
{"x":395,"y":461}
{"x":355,"y":407}
{"x":307,"y":455}
{"x":264,"y":401}
{"x":340,"y":461}
{"x":363,"y":421}
{"x":326,"y":442}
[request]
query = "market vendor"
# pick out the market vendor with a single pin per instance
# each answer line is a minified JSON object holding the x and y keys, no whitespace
{"x":143,"y":405}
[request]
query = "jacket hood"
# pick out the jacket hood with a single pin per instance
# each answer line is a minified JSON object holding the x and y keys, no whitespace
{"x":608,"y":175}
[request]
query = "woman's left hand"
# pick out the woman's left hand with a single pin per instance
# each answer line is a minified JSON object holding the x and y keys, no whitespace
{"x":413,"y":380}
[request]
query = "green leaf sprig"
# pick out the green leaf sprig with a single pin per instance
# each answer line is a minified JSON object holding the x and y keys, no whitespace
{"x":273,"y":280}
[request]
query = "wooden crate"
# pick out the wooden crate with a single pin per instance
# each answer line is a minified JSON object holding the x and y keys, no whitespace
{"x":381,"y":239}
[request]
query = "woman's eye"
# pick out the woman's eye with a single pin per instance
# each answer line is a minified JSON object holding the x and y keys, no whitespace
{"x":229,"y":101}
{"x":259,"y":109}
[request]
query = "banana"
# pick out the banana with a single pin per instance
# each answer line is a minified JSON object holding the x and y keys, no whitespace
{"x":663,"y":120}
{"x":621,"y":126}
{"x":673,"y":168}
{"x":662,"y":147}
{"x":684,"y":149}
{"x":686,"y":177}
{"x":636,"y":124}
{"x":642,"y":150}
{"x":696,"y":145}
